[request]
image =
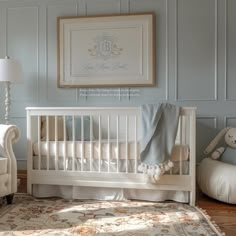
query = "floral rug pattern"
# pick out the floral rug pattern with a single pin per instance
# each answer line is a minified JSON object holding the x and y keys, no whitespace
{"x":58,"y":217}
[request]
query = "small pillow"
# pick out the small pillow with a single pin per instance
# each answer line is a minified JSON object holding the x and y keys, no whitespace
{"x":60,"y":130}
{"x":78,"y":134}
{"x":229,"y":156}
{"x":180,"y":152}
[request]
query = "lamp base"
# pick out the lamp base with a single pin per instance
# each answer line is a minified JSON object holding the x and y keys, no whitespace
{"x":7,"y":101}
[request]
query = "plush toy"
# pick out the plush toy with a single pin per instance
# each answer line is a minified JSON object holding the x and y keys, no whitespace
{"x":227,"y":151}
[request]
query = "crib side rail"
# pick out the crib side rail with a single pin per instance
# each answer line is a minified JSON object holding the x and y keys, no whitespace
{"x":57,"y":111}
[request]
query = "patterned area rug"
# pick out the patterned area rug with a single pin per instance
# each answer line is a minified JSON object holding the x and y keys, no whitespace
{"x":58,"y":217}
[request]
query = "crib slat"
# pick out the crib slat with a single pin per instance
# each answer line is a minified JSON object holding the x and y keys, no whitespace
{"x":135,"y":145}
{"x":73,"y":143}
{"x":192,"y":159}
{"x":126,"y":143}
{"x":82,"y":143}
{"x":56,"y":143}
{"x":99,"y":143}
{"x":181,"y":142}
{"x":39,"y":142}
{"x":91,"y":143}
{"x":108,"y":143}
{"x":64,"y":143}
{"x":117,"y":143}
{"x":186,"y":122}
{"x":47,"y":140}
{"x":29,"y":135}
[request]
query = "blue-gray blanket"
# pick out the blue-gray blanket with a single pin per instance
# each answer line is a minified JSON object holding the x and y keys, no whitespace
{"x":159,"y":129}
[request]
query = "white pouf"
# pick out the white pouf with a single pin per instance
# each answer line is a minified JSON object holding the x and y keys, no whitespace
{"x":217,"y":180}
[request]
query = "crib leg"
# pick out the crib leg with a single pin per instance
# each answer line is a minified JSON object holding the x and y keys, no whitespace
{"x":29,"y":187}
{"x":192,"y":198}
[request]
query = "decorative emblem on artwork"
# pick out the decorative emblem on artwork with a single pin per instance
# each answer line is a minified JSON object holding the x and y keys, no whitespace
{"x":105,"y":47}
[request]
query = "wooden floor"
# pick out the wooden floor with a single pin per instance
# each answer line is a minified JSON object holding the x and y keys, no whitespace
{"x":223,"y":214}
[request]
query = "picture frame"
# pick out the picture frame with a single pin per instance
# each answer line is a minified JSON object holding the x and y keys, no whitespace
{"x":106,"y":51}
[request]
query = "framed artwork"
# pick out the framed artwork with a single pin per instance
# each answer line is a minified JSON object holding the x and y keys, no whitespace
{"x":106,"y":51}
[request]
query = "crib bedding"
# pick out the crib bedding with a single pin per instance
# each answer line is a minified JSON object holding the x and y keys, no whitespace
{"x":85,"y":150}
{"x":99,"y":193}
{"x":109,"y":150}
{"x":113,"y":157}
{"x":178,"y":167}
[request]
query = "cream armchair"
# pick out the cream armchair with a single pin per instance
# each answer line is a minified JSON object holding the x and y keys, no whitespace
{"x":9,"y":134}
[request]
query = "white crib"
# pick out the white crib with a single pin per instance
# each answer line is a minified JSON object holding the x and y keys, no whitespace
{"x":98,"y":147}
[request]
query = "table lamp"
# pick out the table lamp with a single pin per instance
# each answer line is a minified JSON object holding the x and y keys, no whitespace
{"x":10,"y":72}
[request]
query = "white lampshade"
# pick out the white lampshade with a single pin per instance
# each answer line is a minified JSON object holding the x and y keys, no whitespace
{"x":10,"y":70}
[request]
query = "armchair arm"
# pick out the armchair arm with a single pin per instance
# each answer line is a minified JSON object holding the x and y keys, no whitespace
{"x":9,"y":134}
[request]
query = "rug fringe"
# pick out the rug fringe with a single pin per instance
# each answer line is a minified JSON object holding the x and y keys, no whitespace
{"x":211,"y":222}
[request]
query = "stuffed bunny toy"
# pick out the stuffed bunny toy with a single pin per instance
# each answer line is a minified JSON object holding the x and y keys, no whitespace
{"x":227,"y":151}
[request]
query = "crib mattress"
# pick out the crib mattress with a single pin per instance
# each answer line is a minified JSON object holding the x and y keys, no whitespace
{"x":88,"y":156}
{"x":105,"y":165}
{"x":91,"y":150}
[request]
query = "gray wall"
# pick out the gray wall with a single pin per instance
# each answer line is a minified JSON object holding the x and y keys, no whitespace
{"x":195,"y":58}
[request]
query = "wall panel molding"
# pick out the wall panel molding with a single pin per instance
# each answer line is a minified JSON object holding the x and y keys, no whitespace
{"x":3,"y":30}
{"x":103,"y":7}
{"x":124,"y":8}
{"x":206,"y":131}
{"x":212,"y":119}
{"x":230,"y":50}
{"x":24,"y":21}
{"x":82,"y":8}
{"x":176,"y":50}
{"x":230,"y":121}
{"x":216,"y":50}
{"x":230,"y":36}
{"x":167,"y":49}
{"x":54,"y":94}
{"x":226,"y":50}
{"x":192,"y":96}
